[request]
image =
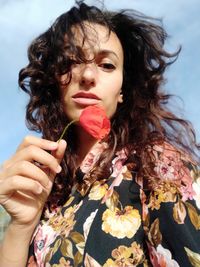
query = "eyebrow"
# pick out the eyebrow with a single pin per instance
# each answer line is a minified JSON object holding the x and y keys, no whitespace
{"x":106,"y":52}
{"x":103,"y":52}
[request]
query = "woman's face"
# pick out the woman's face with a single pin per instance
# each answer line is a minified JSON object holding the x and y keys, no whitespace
{"x":98,"y":82}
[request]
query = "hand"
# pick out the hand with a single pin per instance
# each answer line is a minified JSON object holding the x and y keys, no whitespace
{"x":26,"y":179}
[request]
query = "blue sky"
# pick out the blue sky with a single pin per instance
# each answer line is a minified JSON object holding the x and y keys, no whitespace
{"x":22,"y":20}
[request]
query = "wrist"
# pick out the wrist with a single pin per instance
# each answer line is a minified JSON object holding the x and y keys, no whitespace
{"x":15,"y":245}
{"x":10,"y":261}
{"x":24,"y":232}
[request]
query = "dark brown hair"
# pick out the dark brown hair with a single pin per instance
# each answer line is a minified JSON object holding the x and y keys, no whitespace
{"x":144,"y":116}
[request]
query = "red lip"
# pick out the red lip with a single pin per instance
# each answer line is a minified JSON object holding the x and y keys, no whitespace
{"x":86,"y":95}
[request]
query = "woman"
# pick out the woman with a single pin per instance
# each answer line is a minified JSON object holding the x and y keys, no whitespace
{"x":131,"y":199}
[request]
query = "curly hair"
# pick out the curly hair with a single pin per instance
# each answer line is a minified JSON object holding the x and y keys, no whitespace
{"x":143,"y":118}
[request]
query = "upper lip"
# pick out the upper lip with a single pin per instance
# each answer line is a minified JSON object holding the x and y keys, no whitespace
{"x":86,"y":95}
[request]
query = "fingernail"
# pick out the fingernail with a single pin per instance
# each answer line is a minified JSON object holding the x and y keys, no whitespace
{"x":39,"y":189}
{"x":63,"y":141}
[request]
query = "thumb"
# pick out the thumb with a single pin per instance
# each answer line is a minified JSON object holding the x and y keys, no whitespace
{"x":60,"y":151}
{"x":58,"y":154}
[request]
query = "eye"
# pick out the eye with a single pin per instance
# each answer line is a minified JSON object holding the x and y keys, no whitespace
{"x":74,"y":62}
{"x":107,"y":66}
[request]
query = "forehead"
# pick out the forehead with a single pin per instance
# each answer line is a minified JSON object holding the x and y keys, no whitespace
{"x":96,"y":37}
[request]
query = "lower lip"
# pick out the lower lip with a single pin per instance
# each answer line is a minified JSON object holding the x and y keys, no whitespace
{"x":86,"y":101}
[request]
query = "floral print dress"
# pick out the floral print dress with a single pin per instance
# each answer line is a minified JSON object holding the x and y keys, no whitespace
{"x":119,"y":223}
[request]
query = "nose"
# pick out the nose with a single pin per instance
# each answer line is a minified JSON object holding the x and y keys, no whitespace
{"x":88,"y":75}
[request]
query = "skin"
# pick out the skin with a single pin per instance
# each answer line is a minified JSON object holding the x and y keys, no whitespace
{"x":103,"y":76}
{"x":24,"y":188}
{"x":25,"y":185}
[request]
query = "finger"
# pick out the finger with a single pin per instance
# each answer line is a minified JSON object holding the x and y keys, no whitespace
{"x":58,"y":154}
{"x":31,"y":141}
{"x":17,"y":183}
{"x":60,"y":151}
{"x":37,"y":141}
{"x":27,"y":169}
{"x":35,"y":154}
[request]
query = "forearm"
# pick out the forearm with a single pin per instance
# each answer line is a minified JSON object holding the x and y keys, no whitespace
{"x":15,"y":246}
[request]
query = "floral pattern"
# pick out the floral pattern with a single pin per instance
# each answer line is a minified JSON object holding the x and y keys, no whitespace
{"x":43,"y":238}
{"x":121,"y":223}
{"x":162,"y":257}
{"x":196,"y":188}
{"x":126,"y":256}
{"x":63,"y":263}
{"x":126,"y":220}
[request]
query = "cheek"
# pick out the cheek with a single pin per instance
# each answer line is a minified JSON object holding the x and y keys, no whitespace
{"x":65,"y":100}
{"x":64,"y":80}
{"x":116,"y":87}
{"x":113,"y":96}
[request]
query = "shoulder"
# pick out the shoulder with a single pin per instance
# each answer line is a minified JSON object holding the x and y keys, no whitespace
{"x":166,"y":159}
{"x":172,"y":168}
{"x":163,"y":150}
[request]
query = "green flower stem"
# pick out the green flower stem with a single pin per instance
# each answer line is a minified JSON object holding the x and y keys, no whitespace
{"x":65,"y":129}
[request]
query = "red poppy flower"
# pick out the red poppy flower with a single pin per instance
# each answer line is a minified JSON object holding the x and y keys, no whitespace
{"x":94,"y":120}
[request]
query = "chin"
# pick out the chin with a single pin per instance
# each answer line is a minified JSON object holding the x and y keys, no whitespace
{"x":75,"y":116}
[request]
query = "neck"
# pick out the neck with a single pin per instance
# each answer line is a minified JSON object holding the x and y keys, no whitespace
{"x":86,"y":142}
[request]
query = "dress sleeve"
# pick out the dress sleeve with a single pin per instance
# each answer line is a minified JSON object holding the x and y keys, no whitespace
{"x":172,"y":220}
